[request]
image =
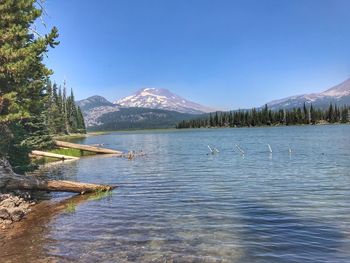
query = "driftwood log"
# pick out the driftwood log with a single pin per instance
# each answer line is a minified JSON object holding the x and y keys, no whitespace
{"x":12,"y":181}
{"x":86,"y":148}
{"x":53,"y":155}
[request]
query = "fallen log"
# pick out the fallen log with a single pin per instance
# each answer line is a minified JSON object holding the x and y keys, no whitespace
{"x":86,"y":148}
{"x":12,"y":181}
{"x":53,"y":155}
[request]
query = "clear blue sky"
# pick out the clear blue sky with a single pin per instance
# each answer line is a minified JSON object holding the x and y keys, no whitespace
{"x":225,"y":54}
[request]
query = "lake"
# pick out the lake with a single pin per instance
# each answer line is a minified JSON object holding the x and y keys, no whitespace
{"x":179,"y":203}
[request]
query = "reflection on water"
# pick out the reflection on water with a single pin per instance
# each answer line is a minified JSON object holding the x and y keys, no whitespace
{"x":178,"y":204}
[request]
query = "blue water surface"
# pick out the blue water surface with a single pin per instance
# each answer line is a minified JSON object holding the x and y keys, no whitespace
{"x":178,"y":203}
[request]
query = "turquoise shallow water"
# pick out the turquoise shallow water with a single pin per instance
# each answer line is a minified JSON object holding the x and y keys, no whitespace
{"x":179,"y":204}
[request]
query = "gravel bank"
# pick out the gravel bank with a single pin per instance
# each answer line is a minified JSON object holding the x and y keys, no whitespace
{"x":13,"y":207}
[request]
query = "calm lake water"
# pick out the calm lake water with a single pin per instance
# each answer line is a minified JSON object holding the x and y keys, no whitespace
{"x":180,"y":204}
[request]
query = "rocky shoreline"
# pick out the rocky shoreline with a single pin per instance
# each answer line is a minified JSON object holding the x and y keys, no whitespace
{"x":13,"y":207}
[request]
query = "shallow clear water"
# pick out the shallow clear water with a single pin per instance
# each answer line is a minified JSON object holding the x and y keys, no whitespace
{"x":179,"y":204}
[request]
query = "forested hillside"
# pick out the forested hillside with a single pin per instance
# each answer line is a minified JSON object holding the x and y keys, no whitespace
{"x":266,"y":116}
{"x":139,"y":118}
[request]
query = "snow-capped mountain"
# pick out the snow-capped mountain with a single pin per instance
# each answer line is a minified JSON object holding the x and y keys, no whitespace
{"x":339,"y":94}
{"x":101,"y":114}
{"x":162,"y":99}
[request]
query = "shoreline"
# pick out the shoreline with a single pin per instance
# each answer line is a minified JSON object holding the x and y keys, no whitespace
{"x":17,"y":206}
{"x":216,"y":127}
{"x":73,"y":136}
{"x":44,"y":221}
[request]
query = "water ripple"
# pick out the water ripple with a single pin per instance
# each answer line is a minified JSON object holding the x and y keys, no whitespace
{"x":179,"y":204}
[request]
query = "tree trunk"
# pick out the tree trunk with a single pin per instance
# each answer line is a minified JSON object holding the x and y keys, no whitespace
{"x":86,"y":148}
{"x":12,"y":181}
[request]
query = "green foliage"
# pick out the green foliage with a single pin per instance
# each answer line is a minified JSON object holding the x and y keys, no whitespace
{"x":266,"y":117}
{"x":100,"y":194}
{"x":17,"y":150}
{"x":31,"y":109}
{"x":22,"y":81}
{"x":22,"y":71}
{"x":71,"y":207}
{"x":62,"y":114}
{"x":68,"y":137}
{"x":71,"y":152}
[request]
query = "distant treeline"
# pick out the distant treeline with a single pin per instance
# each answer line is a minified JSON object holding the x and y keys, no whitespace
{"x":63,"y":116}
{"x":267,"y":117}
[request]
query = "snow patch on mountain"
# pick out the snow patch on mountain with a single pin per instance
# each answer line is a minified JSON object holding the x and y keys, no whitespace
{"x":162,"y":99}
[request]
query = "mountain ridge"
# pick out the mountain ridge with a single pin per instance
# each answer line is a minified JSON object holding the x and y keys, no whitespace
{"x":101,"y":114}
{"x":164,"y":108}
{"x":338,"y":94}
{"x":92,"y":102}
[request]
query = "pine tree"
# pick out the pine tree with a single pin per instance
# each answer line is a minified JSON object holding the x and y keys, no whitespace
{"x":344,"y":115}
{"x":306,"y":114}
{"x":62,"y":115}
{"x":265,"y":116}
{"x":23,"y":76}
{"x":216,"y":119}
{"x":312,"y":115}
{"x":330,"y":114}
{"x":80,"y":121}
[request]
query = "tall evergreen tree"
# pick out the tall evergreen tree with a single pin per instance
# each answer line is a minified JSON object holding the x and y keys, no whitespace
{"x":23,"y":76}
{"x":80,"y":121}
{"x":330,"y":114}
{"x":62,"y":114}
{"x":344,"y":115}
{"x":312,"y":115}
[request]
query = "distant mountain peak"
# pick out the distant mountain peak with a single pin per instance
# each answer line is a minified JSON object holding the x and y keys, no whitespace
{"x":160,"y":98}
{"x":92,"y":102}
{"x":339,"y":94}
{"x":342,"y":89}
{"x":95,"y":98}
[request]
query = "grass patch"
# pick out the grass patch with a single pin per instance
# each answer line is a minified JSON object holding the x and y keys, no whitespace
{"x":70,"y":207}
{"x":71,"y":152}
{"x":64,"y":151}
{"x":70,"y":136}
{"x":100,"y":195}
{"x":96,"y":133}
{"x":43,"y":160}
